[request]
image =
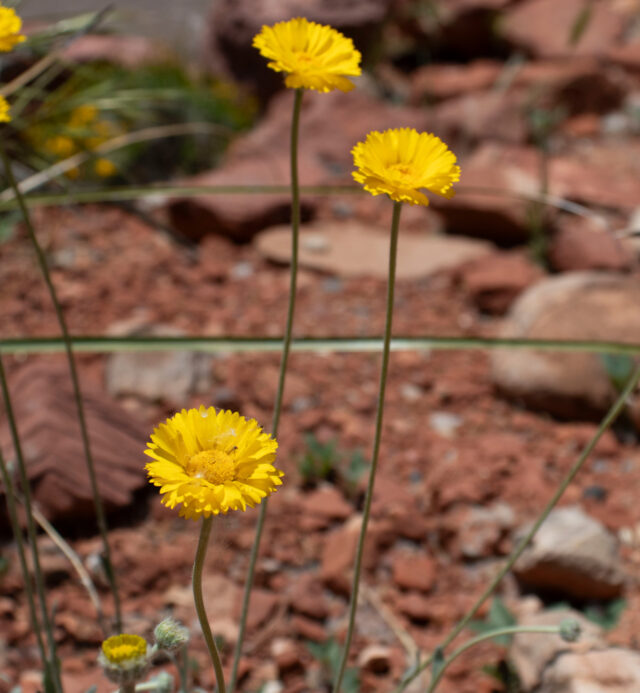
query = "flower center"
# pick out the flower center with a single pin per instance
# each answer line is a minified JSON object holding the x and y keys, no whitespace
{"x":403,"y":173}
{"x":120,"y":648}
{"x":215,"y":466}
{"x":304,"y":60}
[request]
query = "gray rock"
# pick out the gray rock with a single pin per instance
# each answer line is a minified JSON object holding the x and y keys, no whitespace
{"x":166,"y":376}
{"x":531,"y":653}
{"x":577,"y":305}
{"x":612,"y":670}
{"x":573,"y":554}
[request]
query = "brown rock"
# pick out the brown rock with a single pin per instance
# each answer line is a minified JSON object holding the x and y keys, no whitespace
{"x":579,"y":305}
{"x":351,"y":249}
{"x":496,"y":281}
{"x":581,"y":245}
{"x":414,"y":572}
{"x":480,"y":530}
{"x":375,"y":658}
{"x":52,"y":445}
{"x":490,"y":211}
{"x":544,"y":27}
{"x":338,"y":554}
{"x":286,"y":654}
{"x":234,"y":23}
{"x":327,"y":502}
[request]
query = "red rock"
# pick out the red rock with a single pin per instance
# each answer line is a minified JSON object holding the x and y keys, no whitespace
{"x":52,"y":445}
{"x":498,"y":170}
{"x":308,"y":629}
{"x":544,"y":27}
{"x":581,"y":245}
{"x":338,"y":554}
{"x":286,"y":654}
{"x":307,"y":597}
{"x":442,"y":81}
{"x":327,"y":502}
{"x":414,"y":572}
{"x":263,"y":604}
{"x":415,"y":606}
{"x":261,"y":157}
{"x":496,"y":281}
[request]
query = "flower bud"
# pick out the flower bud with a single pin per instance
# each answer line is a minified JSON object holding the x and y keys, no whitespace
{"x":171,"y":635}
{"x":570,"y":630}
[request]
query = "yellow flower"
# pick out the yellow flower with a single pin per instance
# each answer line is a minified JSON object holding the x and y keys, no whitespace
{"x":10,"y":25}
{"x":212,"y":462}
{"x":60,"y":145}
{"x":5,"y":116}
{"x":125,"y":658}
{"x":104,"y":168}
{"x":83,"y":115}
{"x":398,"y":162}
{"x":314,"y":56}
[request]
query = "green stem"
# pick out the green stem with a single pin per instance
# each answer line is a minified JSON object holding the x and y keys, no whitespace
{"x":198,"y":565}
{"x":286,"y":348}
{"x":611,"y":416}
{"x":508,"y":630}
{"x":238,"y":345}
{"x":353,"y":606}
{"x":97,"y":501}
{"x":17,"y":533}
{"x":52,"y":665}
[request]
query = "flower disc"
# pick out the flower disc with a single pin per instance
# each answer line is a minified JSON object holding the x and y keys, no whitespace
{"x":314,"y":56}
{"x":401,"y":161}
{"x":212,"y":462}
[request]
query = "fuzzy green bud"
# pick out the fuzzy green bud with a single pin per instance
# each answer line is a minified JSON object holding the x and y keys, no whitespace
{"x":570,"y":630}
{"x":171,"y":635}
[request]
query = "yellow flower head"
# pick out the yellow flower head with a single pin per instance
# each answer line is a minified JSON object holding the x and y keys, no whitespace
{"x":83,"y":115}
{"x":105,"y":168}
{"x":314,"y":56}
{"x":212,"y":462}
{"x":401,"y":161}
{"x":125,"y":658}
{"x":60,"y":145}
{"x":5,"y":116}
{"x":10,"y":25}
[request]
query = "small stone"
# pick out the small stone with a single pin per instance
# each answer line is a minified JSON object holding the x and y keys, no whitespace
{"x":327,"y":502}
{"x":286,"y":654}
{"x":308,"y":629}
{"x":445,"y":423}
{"x":414,"y":572}
{"x":415,"y":606}
{"x":610,"y":670}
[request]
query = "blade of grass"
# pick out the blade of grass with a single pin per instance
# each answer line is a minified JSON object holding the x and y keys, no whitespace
{"x":97,"y":501}
{"x":53,"y":669}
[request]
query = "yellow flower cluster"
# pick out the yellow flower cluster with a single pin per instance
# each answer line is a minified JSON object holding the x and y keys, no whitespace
{"x":211,"y":462}
{"x":85,"y":131}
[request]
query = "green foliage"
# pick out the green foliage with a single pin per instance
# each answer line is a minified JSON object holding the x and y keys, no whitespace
{"x":324,"y":462}
{"x":328,"y":654}
{"x":498,"y":617}
{"x":603,"y":614}
{"x":619,"y":368}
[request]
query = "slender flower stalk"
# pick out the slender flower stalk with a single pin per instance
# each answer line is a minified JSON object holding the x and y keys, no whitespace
{"x":10,"y":494}
{"x":613,"y":413}
{"x":386,"y":350}
{"x":198,"y":564}
{"x":52,"y":661}
{"x":498,"y":632}
{"x":97,"y":501}
{"x":284,"y":362}
{"x":397,"y":163}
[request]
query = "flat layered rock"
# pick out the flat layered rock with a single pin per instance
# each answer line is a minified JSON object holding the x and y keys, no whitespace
{"x":577,"y":306}
{"x":47,"y":421}
{"x":351,"y":249}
